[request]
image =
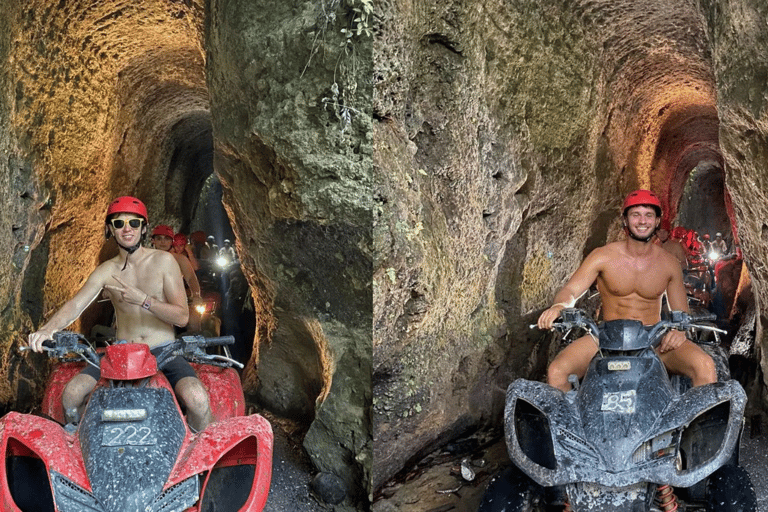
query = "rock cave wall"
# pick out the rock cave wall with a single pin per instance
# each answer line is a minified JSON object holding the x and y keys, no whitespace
{"x":101,"y":99}
{"x":506,"y":136}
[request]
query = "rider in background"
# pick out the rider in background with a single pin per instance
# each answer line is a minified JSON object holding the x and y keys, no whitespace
{"x":719,"y":245}
{"x":209,"y":251}
{"x":632,"y":275}
{"x":147,"y":292}
{"x":182,"y":246}
{"x":163,"y":241}
{"x":676,"y":246}
{"x":228,"y":252}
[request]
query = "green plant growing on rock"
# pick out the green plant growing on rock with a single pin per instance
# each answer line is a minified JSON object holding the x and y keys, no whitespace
{"x":359,"y":16}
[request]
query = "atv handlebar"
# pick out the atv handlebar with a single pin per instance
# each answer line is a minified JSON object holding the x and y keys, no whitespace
{"x":571,"y":318}
{"x":191,"y":349}
{"x":72,"y":346}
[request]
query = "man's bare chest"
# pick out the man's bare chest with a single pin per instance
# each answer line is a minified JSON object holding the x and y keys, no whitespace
{"x":645,"y":278}
{"x":145,"y":277}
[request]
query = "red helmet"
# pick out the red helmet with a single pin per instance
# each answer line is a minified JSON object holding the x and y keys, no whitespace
{"x":198,"y":237}
{"x":642,"y":198}
{"x":127,"y":204}
{"x":179,"y":240}
{"x":163,"y":230}
{"x":706,"y":236}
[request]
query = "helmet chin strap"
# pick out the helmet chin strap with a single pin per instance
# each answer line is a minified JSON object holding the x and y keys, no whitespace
{"x":130,"y":250}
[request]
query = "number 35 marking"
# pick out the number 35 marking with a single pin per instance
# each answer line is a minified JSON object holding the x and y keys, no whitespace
{"x":622,"y":402}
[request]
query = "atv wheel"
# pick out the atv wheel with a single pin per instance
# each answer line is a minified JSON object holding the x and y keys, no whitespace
{"x":513,"y":491}
{"x":729,"y":489}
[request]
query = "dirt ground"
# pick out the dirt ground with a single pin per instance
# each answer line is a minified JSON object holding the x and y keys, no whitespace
{"x":437,"y":486}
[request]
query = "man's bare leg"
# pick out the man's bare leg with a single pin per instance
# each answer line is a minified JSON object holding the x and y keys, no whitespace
{"x":193,"y":395}
{"x":574,"y":358}
{"x":73,"y":397}
{"x":690,"y":360}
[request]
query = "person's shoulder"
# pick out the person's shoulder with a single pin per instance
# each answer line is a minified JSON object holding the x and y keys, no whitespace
{"x":160,"y":257}
{"x":601,"y":255}
{"x":666,"y":257}
{"x":105,"y":267}
{"x":608,"y":250}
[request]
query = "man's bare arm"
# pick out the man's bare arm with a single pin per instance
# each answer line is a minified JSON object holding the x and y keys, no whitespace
{"x":188,"y":271}
{"x":70,"y":311}
{"x":175,"y":311}
{"x":576,"y":286}
{"x":678,"y":301}
{"x":676,"y":296}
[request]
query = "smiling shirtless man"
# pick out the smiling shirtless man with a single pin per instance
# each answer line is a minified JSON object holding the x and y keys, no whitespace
{"x":632,"y":275}
{"x":147,"y":292}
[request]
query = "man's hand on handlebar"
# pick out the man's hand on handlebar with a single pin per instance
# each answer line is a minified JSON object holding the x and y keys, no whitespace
{"x":672,"y":340}
{"x":36,"y":339}
{"x":548,"y":317}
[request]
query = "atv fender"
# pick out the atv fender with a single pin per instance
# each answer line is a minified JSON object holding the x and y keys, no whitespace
{"x":22,"y":435}
{"x":244,"y":440}
{"x":578,"y":460}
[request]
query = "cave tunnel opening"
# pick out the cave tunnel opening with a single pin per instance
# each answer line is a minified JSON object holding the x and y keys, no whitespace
{"x":703,"y":202}
{"x":155,"y":141}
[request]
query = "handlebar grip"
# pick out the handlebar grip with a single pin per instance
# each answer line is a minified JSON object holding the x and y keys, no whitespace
{"x":711,"y":317}
{"x":219,"y":340}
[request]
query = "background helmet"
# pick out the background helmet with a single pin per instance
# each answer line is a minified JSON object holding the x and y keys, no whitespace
{"x":642,"y":198}
{"x":197,"y":237}
{"x":163,"y":230}
{"x":706,"y":236}
{"x":179,"y":240}
{"x":127,"y":204}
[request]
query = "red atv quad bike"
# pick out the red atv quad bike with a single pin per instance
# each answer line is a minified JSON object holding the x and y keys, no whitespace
{"x":132,"y":450}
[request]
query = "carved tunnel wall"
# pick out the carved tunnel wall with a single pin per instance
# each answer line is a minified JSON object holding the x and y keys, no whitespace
{"x":102,"y":99}
{"x":507,"y":135}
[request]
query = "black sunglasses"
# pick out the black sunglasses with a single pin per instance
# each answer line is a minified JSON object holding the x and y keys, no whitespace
{"x":119,"y":223}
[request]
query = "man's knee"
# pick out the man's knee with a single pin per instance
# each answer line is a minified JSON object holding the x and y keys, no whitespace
{"x":557,"y":372}
{"x":193,"y":394}
{"x":77,"y":389}
{"x":704,"y":369}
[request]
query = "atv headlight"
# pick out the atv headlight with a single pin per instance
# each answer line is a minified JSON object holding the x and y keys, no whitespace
{"x":658,"y":447}
{"x":123,"y":414}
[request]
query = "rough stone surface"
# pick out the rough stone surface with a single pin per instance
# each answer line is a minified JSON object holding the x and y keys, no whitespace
{"x":506,"y":135}
{"x":100,"y":99}
{"x":738,"y":35}
{"x":296,"y":182}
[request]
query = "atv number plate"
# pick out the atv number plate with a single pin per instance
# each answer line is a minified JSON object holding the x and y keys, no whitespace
{"x":622,"y":402}
{"x":129,"y":435}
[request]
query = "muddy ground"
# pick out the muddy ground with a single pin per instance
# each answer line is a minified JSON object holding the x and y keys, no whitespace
{"x":435,"y":485}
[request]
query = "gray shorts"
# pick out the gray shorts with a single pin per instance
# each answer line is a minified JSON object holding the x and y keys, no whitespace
{"x":174,"y":370}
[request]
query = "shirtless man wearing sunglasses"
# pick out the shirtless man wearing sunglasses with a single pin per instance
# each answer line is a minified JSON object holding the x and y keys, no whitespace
{"x":147,"y":292}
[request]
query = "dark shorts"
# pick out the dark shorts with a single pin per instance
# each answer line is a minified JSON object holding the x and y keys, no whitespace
{"x":174,"y":370}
